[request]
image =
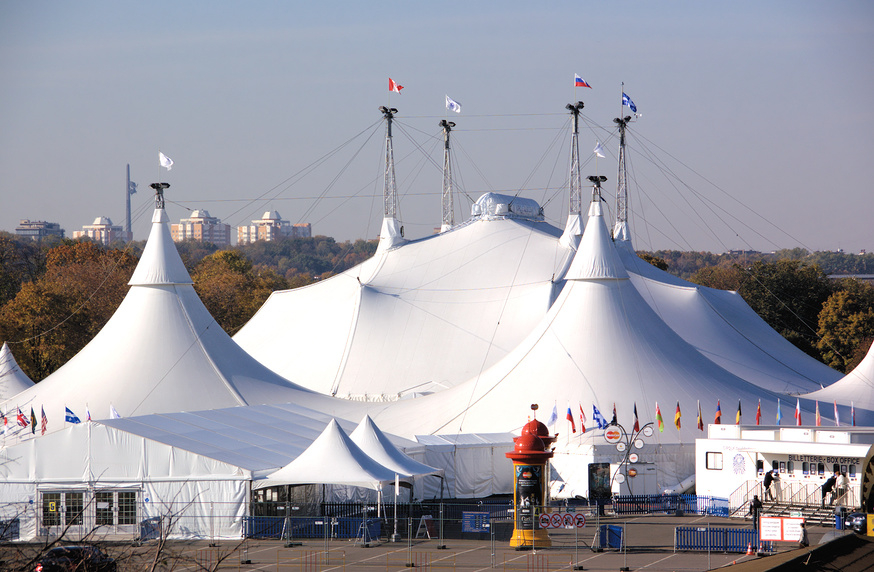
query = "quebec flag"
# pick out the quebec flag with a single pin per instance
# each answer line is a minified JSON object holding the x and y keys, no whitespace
{"x":627,"y":101}
{"x":71,"y":417}
{"x":598,"y":418}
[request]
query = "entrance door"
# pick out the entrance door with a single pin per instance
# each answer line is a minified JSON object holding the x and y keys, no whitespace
{"x":64,"y":510}
{"x":116,"y":511}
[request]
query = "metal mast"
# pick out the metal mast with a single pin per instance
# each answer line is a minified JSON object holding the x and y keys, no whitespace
{"x":575,"y":205}
{"x":131,"y":189}
{"x":392,"y":232}
{"x":159,"y":194}
{"x":448,"y":211}
{"x":620,"y":230}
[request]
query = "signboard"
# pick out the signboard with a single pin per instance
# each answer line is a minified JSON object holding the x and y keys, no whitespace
{"x":599,"y":480}
{"x":474,"y":522}
{"x":777,"y":528}
{"x":529,"y":494}
{"x":612,"y":434}
{"x":562,"y":520}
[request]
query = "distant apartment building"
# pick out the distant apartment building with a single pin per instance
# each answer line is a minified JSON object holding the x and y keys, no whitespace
{"x":202,"y":228}
{"x":102,"y":231}
{"x":37,"y":229}
{"x":272,"y":227}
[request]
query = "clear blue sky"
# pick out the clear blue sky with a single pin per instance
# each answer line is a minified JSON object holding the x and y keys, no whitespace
{"x":761,"y":110}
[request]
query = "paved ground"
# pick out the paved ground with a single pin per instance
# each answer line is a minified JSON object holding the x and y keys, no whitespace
{"x":650,"y":541}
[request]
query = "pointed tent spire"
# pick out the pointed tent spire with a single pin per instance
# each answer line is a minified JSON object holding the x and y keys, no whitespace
{"x":12,"y":380}
{"x":160,"y":262}
{"x":380,"y":448}
{"x":621,"y":232}
{"x":596,"y":257}
{"x":574,"y":226}
{"x":392,"y":233}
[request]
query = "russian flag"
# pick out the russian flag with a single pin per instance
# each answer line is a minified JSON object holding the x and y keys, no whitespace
{"x":570,"y":417}
{"x":580,"y":82}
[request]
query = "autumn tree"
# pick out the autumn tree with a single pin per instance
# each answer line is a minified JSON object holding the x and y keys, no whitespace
{"x":232,"y":289}
{"x":659,"y":263}
{"x":50,"y":319}
{"x":846,"y":323}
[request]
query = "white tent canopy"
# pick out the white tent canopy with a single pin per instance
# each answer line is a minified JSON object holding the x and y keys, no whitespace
{"x":374,"y":443}
{"x":854,"y":389}
{"x":12,"y":380}
{"x":333,"y":458}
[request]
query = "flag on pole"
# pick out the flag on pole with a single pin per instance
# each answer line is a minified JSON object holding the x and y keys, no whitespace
{"x":737,"y":417}
{"x":779,"y":413}
{"x":2,"y":425}
{"x":798,"y":412}
{"x":580,"y":82}
{"x":45,"y":420}
{"x":636,"y":421}
{"x":22,"y":420}
{"x":452,"y":105}
{"x":570,"y":417}
{"x":165,"y":161}
{"x":614,"y":421}
{"x":553,"y":417}
{"x":837,"y":415}
{"x":661,"y":421}
{"x":677,"y":417}
{"x":598,"y":150}
{"x":394,"y":86}
{"x":87,"y":414}
{"x":70,"y":417}
{"x":853,"y":412}
{"x":627,"y":101}
{"x":759,"y":413}
{"x":32,"y":421}
{"x":718,"y":417}
{"x":818,"y":418}
{"x":113,"y":414}
{"x":598,"y":418}
{"x":582,"y":420}
{"x":700,"y":418}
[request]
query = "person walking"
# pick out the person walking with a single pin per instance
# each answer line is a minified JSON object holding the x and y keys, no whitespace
{"x":803,"y":541}
{"x":766,"y":484}
{"x":828,"y":487}
{"x":755,"y":510}
{"x":843,"y":487}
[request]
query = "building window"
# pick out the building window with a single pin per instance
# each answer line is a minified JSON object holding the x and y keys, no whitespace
{"x":51,"y":509}
{"x":127,"y":507}
{"x":103,"y":515}
{"x":74,"y":508}
{"x":714,"y":461}
{"x":805,"y":468}
{"x":853,"y":471}
{"x":790,"y":466}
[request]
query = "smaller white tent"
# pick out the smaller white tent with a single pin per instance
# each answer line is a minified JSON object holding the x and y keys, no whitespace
{"x":333,"y":458}
{"x":856,"y":389}
{"x":12,"y":380}
{"x":378,"y":447}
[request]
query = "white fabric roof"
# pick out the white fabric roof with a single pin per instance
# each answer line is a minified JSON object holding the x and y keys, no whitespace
{"x":413,"y":319}
{"x":378,"y":447}
{"x":162,"y":352}
{"x":12,"y":380}
{"x":854,"y":389}
{"x":332,"y":458}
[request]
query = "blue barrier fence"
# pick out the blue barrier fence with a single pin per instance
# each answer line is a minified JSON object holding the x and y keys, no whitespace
{"x":279,"y":527}
{"x":720,"y":539}
{"x":689,"y":504}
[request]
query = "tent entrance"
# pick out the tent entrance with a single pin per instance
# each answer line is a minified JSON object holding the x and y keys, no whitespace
{"x":74,"y":513}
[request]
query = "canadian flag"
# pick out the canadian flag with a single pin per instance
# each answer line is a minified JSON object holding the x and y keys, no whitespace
{"x":394,"y":86}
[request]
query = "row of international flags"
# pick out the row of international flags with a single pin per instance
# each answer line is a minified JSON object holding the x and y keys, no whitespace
{"x":602,"y":423}
{"x":33,"y":423}
{"x":452,"y":105}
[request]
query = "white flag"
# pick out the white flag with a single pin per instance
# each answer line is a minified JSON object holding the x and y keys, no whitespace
{"x":165,"y":161}
{"x":113,"y":414}
{"x":598,"y":149}
{"x":452,"y":105}
{"x":553,"y":417}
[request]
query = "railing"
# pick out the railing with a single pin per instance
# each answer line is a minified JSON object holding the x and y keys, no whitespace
{"x":739,"y":499}
{"x":718,"y":539}
{"x":691,"y":504}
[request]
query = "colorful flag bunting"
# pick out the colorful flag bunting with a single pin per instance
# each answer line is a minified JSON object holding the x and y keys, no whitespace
{"x":659,"y":418}
{"x":70,"y":417}
{"x":394,"y":86}
{"x":580,"y":82}
{"x":598,"y":418}
{"x":570,"y":417}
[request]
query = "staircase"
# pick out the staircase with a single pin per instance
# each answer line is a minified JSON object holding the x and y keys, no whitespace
{"x":813,"y":514}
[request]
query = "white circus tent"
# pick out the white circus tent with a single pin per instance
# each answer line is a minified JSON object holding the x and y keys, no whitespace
{"x":856,"y":389}
{"x":12,"y":380}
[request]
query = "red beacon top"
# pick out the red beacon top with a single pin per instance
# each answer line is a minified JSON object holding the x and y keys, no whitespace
{"x":532,"y":445}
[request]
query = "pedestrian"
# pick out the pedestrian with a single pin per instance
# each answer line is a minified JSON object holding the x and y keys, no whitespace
{"x":803,"y":542}
{"x":843,"y":489}
{"x":778,"y":493}
{"x":755,"y":509}
{"x":766,"y":484}
{"x":828,"y":488}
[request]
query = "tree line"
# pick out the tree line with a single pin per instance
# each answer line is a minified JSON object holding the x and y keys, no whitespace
{"x":57,"y":294}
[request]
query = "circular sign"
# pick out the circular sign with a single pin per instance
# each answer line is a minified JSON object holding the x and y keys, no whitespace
{"x":621,"y":446}
{"x":632,"y":472}
{"x":612,"y":434}
{"x":544,"y":521}
{"x":620,"y":478}
{"x":633,"y":457}
{"x":638,"y":443}
{"x":555,"y":520}
{"x":647,"y":431}
{"x":568,"y":520}
{"x":580,"y":520}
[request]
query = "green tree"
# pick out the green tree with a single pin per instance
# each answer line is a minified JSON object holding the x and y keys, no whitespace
{"x":659,"y":263}
{"x":846,"y":323}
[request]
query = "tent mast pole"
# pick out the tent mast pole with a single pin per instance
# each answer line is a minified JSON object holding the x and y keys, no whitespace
{"x":448,"y":210}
